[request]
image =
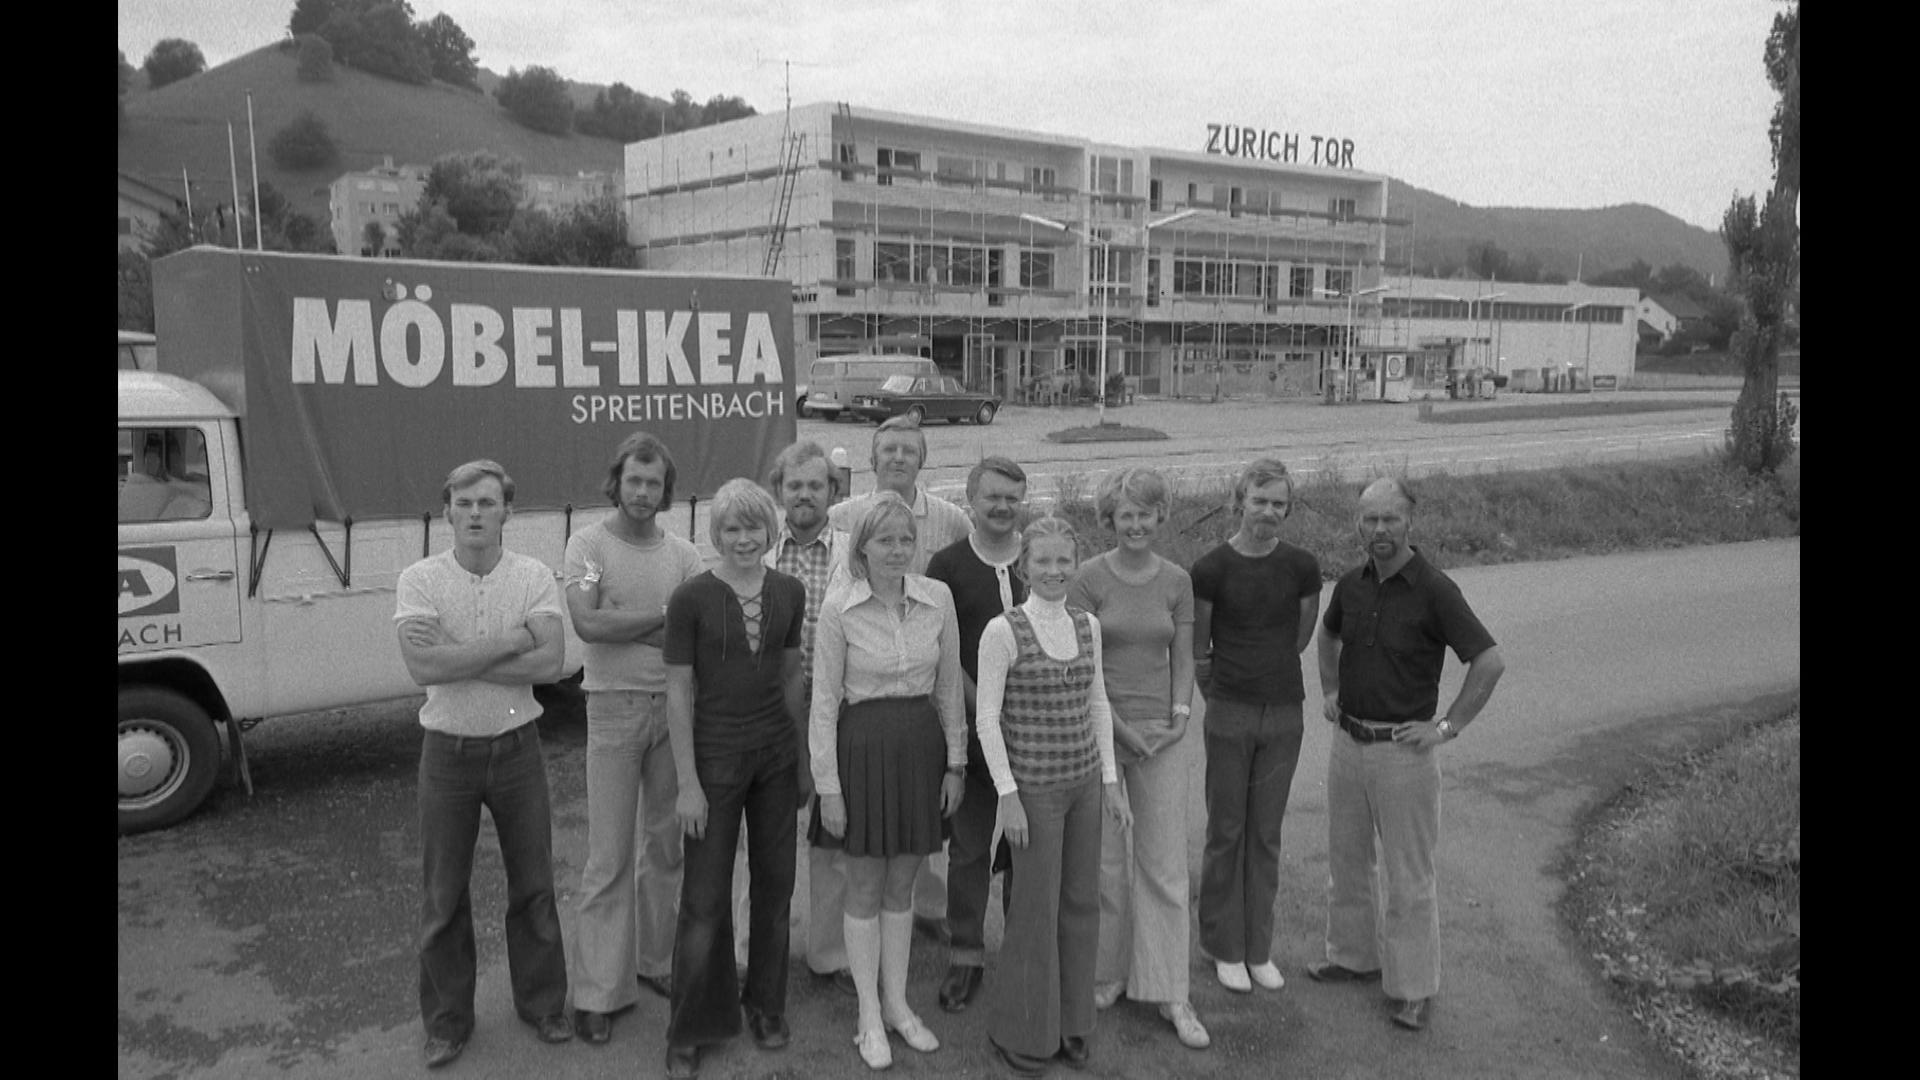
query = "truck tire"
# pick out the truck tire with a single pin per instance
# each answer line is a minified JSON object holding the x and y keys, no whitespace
{"x":169,"y":757}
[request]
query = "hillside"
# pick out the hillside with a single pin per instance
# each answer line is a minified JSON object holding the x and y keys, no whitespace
{"x":1611,"y":237}
{"x":185,"y":124}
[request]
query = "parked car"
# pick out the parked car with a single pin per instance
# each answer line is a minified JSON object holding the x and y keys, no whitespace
{"x":834,"y":381}
{"x":926,"y":397}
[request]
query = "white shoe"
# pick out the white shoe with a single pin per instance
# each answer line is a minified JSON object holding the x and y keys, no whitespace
{"x":914,"y":1033}
{"x":874,"y":1048}
{"x":1268,"y":975}
{"x":1105,"y":994}
{"x":1233,"y":976}
{"x":1186,"y":1025}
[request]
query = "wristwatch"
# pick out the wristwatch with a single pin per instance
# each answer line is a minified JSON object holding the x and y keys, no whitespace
{"x":1445,"y":728}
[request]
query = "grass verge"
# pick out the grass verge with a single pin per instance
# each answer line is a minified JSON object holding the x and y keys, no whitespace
{"x":1686,"y":890}
{"x":1486,"y":414}
{"x":1105,"y":433}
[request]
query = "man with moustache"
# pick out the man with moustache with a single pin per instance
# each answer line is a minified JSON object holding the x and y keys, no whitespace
{"x":620,"y":573}
{"x":1388,"y":628}
{"x":1254,"y":601}
{"x":979,"y":570}
{"x":478,"y":627}
{"x":899,"y":451}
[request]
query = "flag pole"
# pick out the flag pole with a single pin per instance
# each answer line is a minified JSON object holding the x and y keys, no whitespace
{"x":233,"y":173}
{"x":186,"y":185}
{"x":253,"y":156}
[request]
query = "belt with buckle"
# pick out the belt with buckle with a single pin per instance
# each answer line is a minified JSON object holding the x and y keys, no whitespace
{"x":1366,"y":731}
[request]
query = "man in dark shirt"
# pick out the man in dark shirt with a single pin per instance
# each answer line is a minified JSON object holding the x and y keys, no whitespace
{"x":979,"y":570}
{"x":1388,"y":627}
{"x":1254,"y":601}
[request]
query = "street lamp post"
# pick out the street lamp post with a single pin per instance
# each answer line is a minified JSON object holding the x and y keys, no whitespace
{"x":1587,"y":365}
{"x":1106,"y":255}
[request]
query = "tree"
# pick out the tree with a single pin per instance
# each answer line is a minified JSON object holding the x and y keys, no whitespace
{"x":450,"y":51}
{"x":310,"y":15}
{"x":1488,"y":262}
{"x":719,"y":109}
{"x":620,"y":114}
{"x":390,"y":46}
{"x":126,"y":83}
{"x":304,"y":144}
{"x":316,"y":59}
{"x":683,"y":114}
{"x":171,"y":60}
{"x":537,"y":98}
{"x":478,"y":191}
{"x":373,"y":239}
{"x":1763,"y":246}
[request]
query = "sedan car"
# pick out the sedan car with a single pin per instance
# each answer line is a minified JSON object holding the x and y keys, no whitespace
{"x":930,"y":397}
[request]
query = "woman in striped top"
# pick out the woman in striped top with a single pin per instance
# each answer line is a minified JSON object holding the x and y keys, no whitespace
{"x":1047,"y":735}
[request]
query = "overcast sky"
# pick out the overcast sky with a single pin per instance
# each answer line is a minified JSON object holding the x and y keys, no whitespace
{"x":1546,"y":103}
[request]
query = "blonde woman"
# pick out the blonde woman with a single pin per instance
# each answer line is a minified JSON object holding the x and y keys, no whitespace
{"x":887,"y":738}
{"x":1145,"y":606}
{"x":1047,"y":736}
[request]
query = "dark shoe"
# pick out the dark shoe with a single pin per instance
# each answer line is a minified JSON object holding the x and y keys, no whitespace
{"x":1412,"y":1015}
{"x":935,"y":929}
{"x":683,"y":1062}
{"x":963,"y":981}
{"x":554,"y":1029}
{"x":1021,"y":1064}
{"x":659,"y":984}
{"x":592,"y":1027}
{"x":1073,"y":1051}
{"x":841,"y":980}
{"x":769,"y":1032}
{"x":1328,"y":971}
{"x":439,"y":1051}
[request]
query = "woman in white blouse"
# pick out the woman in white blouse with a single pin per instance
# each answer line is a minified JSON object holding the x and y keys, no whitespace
{"x":887,"y":719}
{"x":1047,"y":735}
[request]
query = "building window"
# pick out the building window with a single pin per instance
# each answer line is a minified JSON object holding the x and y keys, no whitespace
{"x":1153,"y":282}
{"x":1041,"y":176}
{"x":843,"y":267}
{"x":1036,"y":269}
{"x":1153,"y":195}
{"x":1341,"y":209}
{"x":847,"y":157}
{"x":883,"y":173}
{"x":965,"y":266}
{"x":1301,"y":283}
{"x":1339,"y":281}
{"x":1233,"y":202}
{"x":892,"y":262}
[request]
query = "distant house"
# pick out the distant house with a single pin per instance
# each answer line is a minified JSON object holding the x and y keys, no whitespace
{"x":141,"y":207}
{"x":1663,"y":316}
{"x":380,"y":195}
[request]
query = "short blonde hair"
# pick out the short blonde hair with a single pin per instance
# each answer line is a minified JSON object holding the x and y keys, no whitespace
{"x":886,"y":508}
{"x":1259,"y":473}
{"x":745,"y":502}
{"x":472,"y":473}
{"x":1141,"y":487}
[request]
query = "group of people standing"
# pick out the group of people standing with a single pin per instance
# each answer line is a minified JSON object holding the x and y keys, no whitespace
{"x":916,"y":680}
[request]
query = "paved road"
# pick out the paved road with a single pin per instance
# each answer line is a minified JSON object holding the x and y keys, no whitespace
{"x":272,"y":936}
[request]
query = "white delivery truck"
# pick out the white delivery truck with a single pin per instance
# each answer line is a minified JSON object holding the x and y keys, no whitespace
{"x":284,"y":463}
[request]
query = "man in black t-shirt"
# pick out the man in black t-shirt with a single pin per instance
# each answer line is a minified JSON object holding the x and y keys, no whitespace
{"x":979,"y":570}
{"x":1388,"y":629}
{"x":1255,"y":598}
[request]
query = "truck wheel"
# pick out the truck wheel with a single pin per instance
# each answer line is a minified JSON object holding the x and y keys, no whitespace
{"x":801,"y":408}
{"x":169,"y":757}
{"x":985,"y":415}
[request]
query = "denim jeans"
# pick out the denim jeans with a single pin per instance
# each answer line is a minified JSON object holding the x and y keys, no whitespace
{"x":1387,"y":792}
{"x":507,"y":775}
{"x":1042,"y":991}
{"x":1252,"y":751}
{"x":759,"y":786}
{"x":628,"y":899}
